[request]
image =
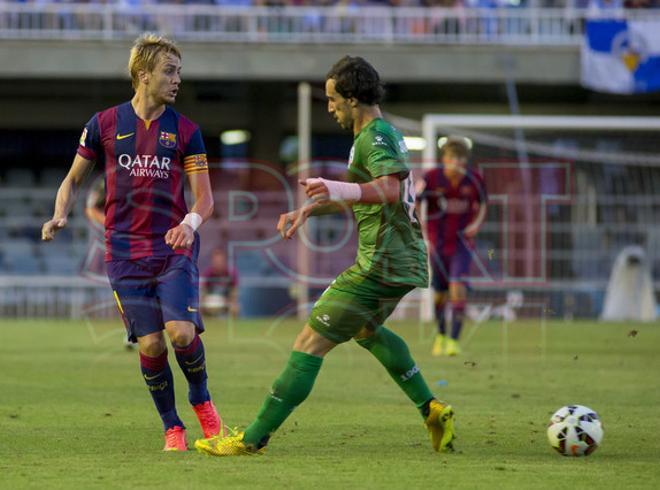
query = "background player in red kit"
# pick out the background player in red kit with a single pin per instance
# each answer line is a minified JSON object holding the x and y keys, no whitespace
{"x":151,"y":244}
{"x":456,"y":197}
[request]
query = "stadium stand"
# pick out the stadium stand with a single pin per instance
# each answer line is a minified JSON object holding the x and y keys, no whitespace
{"x":316,"y":21}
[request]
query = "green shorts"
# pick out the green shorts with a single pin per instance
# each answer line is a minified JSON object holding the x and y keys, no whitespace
{"x":354,"y":301}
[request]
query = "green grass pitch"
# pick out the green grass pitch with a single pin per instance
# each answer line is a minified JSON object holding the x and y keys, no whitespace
{"x":74,"y":412}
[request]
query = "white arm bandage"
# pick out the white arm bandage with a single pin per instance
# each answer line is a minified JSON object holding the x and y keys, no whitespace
{"x":340,"y":191}
{"x":193,"y":220}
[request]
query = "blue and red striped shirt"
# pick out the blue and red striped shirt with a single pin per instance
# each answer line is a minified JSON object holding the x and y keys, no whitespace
{"x":145,"y":163}
{"x":451,"y":207}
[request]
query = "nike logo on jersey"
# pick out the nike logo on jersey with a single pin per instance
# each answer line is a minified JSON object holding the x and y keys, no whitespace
{"x":192,"y":310}
{"x":124,"y":136}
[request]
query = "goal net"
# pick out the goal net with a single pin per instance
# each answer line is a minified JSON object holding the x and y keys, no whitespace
{"x":566,"y":195}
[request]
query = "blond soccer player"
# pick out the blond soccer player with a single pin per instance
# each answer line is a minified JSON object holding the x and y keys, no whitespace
{"x":151,"y":244}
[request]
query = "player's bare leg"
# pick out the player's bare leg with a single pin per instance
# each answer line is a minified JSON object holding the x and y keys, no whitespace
{"x":189,"y":351}
{"x":158,"y":376}
{"x":313,"y":343}
{"x":289,"y":390}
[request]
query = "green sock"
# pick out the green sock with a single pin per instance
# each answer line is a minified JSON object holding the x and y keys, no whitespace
{"x":393,"y":354}
{"x":289,"y":390}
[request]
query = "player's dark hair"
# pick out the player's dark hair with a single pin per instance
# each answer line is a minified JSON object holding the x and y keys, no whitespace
{"x":355,"y":77}
{"x":457,"y":147}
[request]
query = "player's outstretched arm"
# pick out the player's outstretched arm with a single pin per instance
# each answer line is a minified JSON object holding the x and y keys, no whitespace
{"x":183,"y":235}
{"x":289,"y":223}
{"x":383,"y":190}
{"x":66,"y":197}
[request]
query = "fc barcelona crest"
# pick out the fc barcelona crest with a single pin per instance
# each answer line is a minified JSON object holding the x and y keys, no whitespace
{"x":168,"y":140}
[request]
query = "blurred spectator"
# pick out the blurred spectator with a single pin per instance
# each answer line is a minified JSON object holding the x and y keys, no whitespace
{"x":356,"y":4}
{"x":232,"y":3}
{"x":441,"y":3}
{"x":219,"y":287}
{"x":607,"y":4}
{"x":641,"y":4}
{"x":379,"y":23}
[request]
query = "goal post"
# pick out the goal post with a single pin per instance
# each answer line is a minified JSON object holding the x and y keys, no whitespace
{"x":586,"y":187}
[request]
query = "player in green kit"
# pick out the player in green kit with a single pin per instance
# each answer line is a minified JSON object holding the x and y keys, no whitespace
{"x":391,"y":262}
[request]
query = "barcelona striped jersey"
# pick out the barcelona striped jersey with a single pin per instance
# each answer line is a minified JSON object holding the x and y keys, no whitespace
{"x":145,"y":163}
{"x":452,"y":207}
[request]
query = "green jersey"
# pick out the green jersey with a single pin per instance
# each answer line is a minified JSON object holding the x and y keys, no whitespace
{"x":391,"y":249}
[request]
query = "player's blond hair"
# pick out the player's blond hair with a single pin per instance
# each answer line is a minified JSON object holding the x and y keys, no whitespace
{"x":145,"y":54}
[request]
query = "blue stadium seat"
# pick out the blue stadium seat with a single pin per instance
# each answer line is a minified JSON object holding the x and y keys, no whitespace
{"x":27,"y":265}
{"x":52,"y":177}
{"x":79,"y":249}
{"x":55,"y":249}
{"x":17,"y":247}
{"x":17,"y":209}
{"x":19,"y":177}
{"x":62,"y":265}
{"x":19,"y":257}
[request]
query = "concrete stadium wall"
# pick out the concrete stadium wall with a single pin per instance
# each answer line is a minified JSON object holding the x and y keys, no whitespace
{"x":446,"y":63}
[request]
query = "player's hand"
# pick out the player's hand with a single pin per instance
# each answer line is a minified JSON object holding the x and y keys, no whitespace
{"x":290,"y":222}
{"x":51,"y":227}
{"x":181,"y":236}
{"x":315,"y":189}
{"x":470,"y":232}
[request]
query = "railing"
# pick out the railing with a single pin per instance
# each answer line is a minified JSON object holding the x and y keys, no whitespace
{"x":79,"y":297}
{"x":317,"y":25}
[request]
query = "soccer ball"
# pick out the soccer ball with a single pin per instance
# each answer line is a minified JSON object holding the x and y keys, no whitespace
{"x":575,"y":430}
